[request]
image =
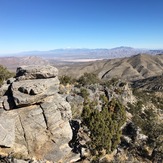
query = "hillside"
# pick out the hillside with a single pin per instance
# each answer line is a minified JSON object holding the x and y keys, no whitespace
{"x":131,"y":68}
{"x":84,"y":120}
{"x":94,"y":104}
{"x":154,"y":83}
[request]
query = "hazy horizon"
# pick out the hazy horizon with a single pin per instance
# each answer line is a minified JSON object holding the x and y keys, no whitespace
{"x":44,"y":25}
{"x":43,"y":52}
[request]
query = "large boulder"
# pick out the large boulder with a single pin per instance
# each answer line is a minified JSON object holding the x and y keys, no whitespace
{"x":27,"y":92}
{"x":37,"y":125}
{"x":36,"y":72}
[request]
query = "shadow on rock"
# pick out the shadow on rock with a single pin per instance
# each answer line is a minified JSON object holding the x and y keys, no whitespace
{"x":75,"y":141}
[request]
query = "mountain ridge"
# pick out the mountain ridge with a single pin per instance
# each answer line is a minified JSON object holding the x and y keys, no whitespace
{"x":117,"y":52}
{"x":130,"y":68}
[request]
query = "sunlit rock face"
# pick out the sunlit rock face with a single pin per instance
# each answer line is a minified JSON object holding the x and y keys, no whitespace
{"x":34,"y":118}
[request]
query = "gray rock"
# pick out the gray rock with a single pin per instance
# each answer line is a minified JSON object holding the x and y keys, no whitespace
{"x":75,"y":99}
{"x":45,"y":131}
{"x":63,"y":106}
{"x":38,"y":127}
{"x":7,"y":129}
{"x":30,"y":131}
{"x":36,"y":72}
{"x":69,"y":98}
{"x":28,"y":92}
{"x":37,"y":131}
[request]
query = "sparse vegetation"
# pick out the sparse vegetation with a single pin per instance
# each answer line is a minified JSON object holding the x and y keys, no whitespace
{"x":148,"y":96}
{"x":146,"y":119}
{"x":104,"y":117}
{"x":104,"y":125}
{"x":88,"y":79}
{"x":84,"y":93}
{"x":4,"y":74}
{"x":111,"y":82}
{"x":66,"y":80}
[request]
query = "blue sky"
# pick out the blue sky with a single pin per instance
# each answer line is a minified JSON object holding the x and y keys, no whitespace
{"x":27,"y":25}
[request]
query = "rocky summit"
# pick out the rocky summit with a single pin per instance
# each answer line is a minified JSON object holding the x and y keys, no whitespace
{"x":34,"y":118}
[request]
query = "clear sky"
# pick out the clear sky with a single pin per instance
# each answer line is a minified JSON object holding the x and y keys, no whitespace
{"x":27,"y":25}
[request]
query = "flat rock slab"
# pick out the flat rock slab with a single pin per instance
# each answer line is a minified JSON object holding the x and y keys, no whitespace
{"x":36,"y":72}
{"x":27,"y":92}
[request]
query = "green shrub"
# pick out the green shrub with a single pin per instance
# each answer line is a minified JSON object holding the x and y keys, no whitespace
{"x":147,"y":120}
{"x":111,"y":82}
{"x":66,"y":80}
{"x":88,"y":79}
{"x":84,"y":93}
{"x":4,"y":74}
{"x":104,"y":125}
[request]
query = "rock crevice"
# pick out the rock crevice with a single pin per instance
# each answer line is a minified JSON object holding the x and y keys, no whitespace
{"x":45,"y":119}
{"x":24,"y":134}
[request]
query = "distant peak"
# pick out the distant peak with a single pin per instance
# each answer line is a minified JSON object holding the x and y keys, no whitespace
{"x":123,"y":47}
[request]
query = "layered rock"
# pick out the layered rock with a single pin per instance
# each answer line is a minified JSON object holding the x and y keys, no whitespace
{"x":34,"y":118}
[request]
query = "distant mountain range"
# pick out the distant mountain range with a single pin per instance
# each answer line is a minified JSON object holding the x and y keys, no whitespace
{"x":69,"y":54}
{"x":61,"y":57}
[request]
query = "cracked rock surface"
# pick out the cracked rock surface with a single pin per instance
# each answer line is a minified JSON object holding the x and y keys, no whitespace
{"x":35,"y":124}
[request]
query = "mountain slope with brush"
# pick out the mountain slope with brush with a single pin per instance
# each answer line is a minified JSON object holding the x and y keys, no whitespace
{"x":131,"y":68}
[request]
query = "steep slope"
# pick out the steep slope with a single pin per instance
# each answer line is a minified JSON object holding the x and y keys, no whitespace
{"x":149,"y":84}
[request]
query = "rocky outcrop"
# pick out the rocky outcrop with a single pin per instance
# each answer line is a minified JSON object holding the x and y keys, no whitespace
{"x":36,"y":72}
{"x":33,"y":91}
{"x":34,"y":118}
